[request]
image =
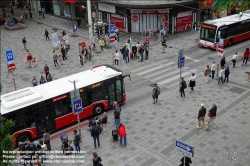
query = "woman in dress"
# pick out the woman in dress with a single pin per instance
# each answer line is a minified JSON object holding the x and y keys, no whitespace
{"x":192,"y":81}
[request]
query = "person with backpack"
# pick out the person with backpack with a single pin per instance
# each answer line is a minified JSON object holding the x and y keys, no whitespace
{"x":155,"y":93}
{"x":187,"y":161}
{"x":95,"y":132}
{"x":183,"y":85}
{"x":117,"y":112}
{"x":122,"y":133}
{"x":77,"y":140}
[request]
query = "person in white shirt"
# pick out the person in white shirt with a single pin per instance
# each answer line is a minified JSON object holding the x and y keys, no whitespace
{"x":75,"y":29}
{"x":117,"y":55}
{"x":192,"y":81}
{"x":130,"y":42}
{"x":213,"y":67}
{"x":220,"y":76}
{"x":234,"y":59}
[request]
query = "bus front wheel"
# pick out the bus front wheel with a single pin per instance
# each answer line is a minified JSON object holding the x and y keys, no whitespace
{"x":98,"y":109}
{"x":230,"y":42}
{"x":23,"y":138}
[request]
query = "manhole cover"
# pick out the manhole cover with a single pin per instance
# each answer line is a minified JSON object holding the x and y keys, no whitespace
{"x":236,"y":90}
{"x":74,"y":36}
{"x":151,"y":85}
{"x":210,"y":58}
{"x":39,"y":23}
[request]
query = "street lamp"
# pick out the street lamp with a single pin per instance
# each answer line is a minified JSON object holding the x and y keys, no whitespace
{"x":75,"y":97}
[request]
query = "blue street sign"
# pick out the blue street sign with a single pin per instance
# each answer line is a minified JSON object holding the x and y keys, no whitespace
{"x":221,"y":42}
{"x":181,"y":62}
{"x":185,"y":148}
{"x":77,"y":105}
{"x":9,"y":55}
{"x":112,"y":29}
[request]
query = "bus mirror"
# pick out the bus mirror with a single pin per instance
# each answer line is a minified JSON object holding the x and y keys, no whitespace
{"x":128,"y":75}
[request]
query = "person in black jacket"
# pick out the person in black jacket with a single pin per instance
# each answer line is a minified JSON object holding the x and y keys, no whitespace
{"x":95,"y":132}
{"x":212,"y":115}
{"x":227,"y":72}
{"x":182,"y":87}
{"x":134,"y":50}
{"x":46,"y":34}
{"x":96,"y":160}
{"x":222,"y":62}
{"x":188,"y":161}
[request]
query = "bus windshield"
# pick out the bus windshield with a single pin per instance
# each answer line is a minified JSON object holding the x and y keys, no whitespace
{"x":207,"y":34}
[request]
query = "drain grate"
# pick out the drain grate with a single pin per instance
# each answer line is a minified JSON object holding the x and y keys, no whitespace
{"x":236,"y":90}
{"x":39,"y":23}
{"x":210,"y":58}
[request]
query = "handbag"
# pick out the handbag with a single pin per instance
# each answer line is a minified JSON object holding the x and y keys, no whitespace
{"x":210,"y":115}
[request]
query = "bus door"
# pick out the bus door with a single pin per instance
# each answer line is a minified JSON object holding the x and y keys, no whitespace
{"x":44,"y":118}
{"x":118,"y":91}
{"x":111,"y":94}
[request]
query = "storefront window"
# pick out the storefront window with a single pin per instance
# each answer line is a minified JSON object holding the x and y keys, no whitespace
{"x":56,"y":9}
{"x":34,"y":5}
{"x":67,"y":12}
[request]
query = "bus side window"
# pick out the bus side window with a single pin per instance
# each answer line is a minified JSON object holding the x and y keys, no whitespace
{"x":85,"y":100}
{"x":62,"y":107}
{"x":29,"y":118}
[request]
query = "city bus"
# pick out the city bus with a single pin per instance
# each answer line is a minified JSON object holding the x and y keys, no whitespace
{"x":50,"y":105}
{"x":232,"y":29}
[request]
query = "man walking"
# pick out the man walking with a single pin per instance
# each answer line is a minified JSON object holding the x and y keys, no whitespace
{"x":46,"y":34}
{"x":63,"y":51}
{"x":164,"y":45}
{"x":54,"y":56}
{"x":24,"y":43}
{"x":77,"y":140}
{"x":201,"y":116}
{"x":183,"y":85}
{"x":95,"y":132}
{"x":213,"y":67}
{"x":227,"y":72}
{"x":117,"y":112}
{"x":75,"y":29}
{"x":155,"y":93}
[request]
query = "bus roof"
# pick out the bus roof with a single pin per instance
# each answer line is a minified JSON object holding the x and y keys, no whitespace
{"x":24,"y":97}
{"x":229,"y":19}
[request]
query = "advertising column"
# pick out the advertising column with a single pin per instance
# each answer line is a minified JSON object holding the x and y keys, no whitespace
{"x":184,"y":21}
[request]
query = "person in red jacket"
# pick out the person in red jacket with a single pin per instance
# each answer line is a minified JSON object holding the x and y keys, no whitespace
{"x":122,"y":133}
{"x":246,"y":56}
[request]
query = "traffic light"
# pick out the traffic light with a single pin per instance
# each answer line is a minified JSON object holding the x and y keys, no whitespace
{"x":106,"y":29}
{"x":101,"y":29}
{"x":96,"y":29}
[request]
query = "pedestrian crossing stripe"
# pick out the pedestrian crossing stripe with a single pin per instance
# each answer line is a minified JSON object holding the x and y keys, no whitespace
{"x":156,"y":68}
{"x":148,"y":66}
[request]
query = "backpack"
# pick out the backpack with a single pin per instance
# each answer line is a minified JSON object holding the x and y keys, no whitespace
{"x":158,"y":90}
{"x":77,"y":138}
{"x":117,"y":112}
{"x":97,"y":131}
{"x":184,"y":84}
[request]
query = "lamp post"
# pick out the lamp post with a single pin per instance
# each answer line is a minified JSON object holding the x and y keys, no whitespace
{"x":75,"y":97}
{"x":89,"y":20}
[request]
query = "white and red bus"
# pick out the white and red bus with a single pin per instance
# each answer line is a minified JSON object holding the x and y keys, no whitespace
{"x":232,"y":29}
{"x":49,"y":105}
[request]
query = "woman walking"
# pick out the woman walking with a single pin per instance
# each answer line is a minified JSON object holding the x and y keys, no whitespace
{"x":104,"y":123}
{"x":207,"y":73}
{"x":212,"y":115}
{"x":46,"y":137}
{"x":223,"y":62}
{"x":246,"y":56}
{"x":96,"y":160}
{"x":192,"y":81}
{"x":117,"y":55}
{"x":234,"y":59}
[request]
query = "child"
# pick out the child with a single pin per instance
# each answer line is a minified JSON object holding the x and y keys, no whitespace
{"x":81,"y":59}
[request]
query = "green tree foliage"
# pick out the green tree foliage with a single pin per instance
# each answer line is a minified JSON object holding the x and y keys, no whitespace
{"x":6,"y":142}
{"x":230,"y":3}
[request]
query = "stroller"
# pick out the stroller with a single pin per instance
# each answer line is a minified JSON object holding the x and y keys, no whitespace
{"x":66,"y":148}
{"x":97,"y":121}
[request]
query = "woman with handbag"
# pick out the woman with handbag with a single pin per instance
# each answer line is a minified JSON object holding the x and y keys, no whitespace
{"x":192,"y":81}
{"x":96,"y":160}
{"x":212,"y":115}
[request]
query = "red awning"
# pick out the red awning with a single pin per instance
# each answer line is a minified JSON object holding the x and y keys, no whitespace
{"x":207,"y":2}
{"x":70,"y":1}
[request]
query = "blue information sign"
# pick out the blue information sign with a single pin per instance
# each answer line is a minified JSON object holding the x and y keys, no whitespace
{"x":221,"y":42}
{"x":187,"y":149}
{"x":9,"y":56}
{"x":181,"y":61}
{"x":77,"y":105}
{"x":112,"y":29}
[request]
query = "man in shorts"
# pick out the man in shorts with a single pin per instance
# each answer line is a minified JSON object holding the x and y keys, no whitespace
{"x":155,"y":94}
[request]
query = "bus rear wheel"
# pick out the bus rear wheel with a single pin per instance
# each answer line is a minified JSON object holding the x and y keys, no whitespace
{"x":230,"y":42}
{"x":23,"y":138}
{"x":98,"y":109}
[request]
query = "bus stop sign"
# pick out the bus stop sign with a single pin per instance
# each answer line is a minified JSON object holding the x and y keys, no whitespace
{"x":77,"y":106}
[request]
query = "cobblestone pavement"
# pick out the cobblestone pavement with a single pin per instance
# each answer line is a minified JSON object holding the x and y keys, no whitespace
{"x":152,"y":129}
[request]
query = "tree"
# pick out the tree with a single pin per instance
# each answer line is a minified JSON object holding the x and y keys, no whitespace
{"x":242,"y":5}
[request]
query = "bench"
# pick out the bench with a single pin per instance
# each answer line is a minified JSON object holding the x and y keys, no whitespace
{"x":14,"y":27}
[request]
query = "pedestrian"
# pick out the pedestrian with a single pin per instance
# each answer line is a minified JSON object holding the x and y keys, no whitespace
{"x":24,"y":41}
{"x":30,"y":13}
{"x":46,"y":70}
{"x":95,"y":132}
{"x":104,"y":122}
{"x":54,"y":56}
{"x":25,"y":15}
{"x":78,"y":20}
{"x":164,"y":46}
{"x":43,"y":11}
{"x":59,"y":57}
{"x":146,"y":51}
{"x":226,"y":72}
{"x":34,"y":81}
{"x":46,"y":34}
{"x":183,"y":85}
{"x":117,"y":56}
{"x":96,"y":160}
{"x":63,"y":51}
{"x":77,"y":140}
{"x":212,"y":115}
{"x":29,"y":60}
{"x":39,"y":14}
{"x":213,"y":67}
{"x":134,"y":51}
{"x":126,"y":54}
{"x":246,"y":56}
{"x":84,"y":53}
{"x":49,"y":78}
{"x":115,"y":42}
{"x":117,"y":112}
{"x":192,"y":81}
{"x":130,"y":42}
{"x":89,"y":53}
{"x":187,"y":161}
{"x":161,"y":34}
{"x":155,"y":93}
{"x":46,"y":138}
{"x":101,"y":43}
{"x":75,"y":29}
{"x":117,"y":33}
{"x":141,"y":51}
{"x":201,"y":116}
{"x":207,"y":73}
{"x":81,"y":59}
{"x":193,"y":29}
{"x":122,"y":133}
{"x":42,"y":80}
{"x":220,"y":76}
{"x":234,"y":59}
{"x":222,"y":61}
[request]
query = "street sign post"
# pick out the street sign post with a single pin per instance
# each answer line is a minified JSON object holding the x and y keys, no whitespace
{"x":112,"y":29}
{"x":12,"y":67}
{"x":186,"y":149}
{"x":9,"y":56}
{"x":77,"y":106}
{"x":220,"y":48}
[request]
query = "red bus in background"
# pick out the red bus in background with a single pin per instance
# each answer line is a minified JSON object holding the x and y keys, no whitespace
{"x":50,"y":105}
{"x":232,"y":29}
